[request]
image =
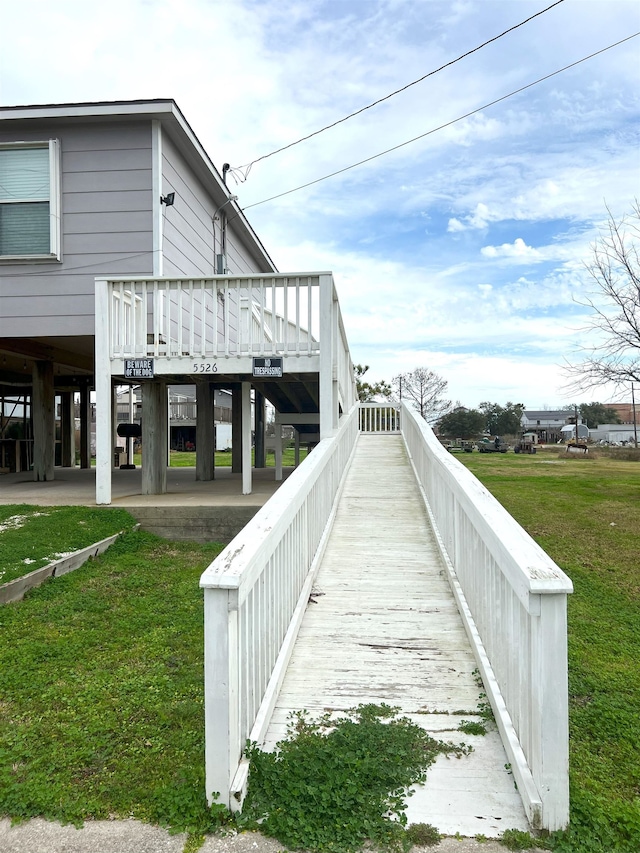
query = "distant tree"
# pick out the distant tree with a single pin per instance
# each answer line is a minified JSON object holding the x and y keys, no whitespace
{"x":614,"y":355}
{"x":503,"y":420}
{"x":368,"y":391}
{"x":461,"y":423}
{"x":424,"y":390}
{"x":594,"y":414}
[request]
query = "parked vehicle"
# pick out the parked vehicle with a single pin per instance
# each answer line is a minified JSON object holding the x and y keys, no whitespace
{"x":527,"y":444}
{"x":492,"y":445}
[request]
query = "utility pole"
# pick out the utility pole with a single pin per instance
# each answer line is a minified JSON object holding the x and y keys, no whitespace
{"x":633,"y":407}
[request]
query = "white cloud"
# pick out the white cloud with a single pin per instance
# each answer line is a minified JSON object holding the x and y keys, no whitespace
{"x":518,"y":249}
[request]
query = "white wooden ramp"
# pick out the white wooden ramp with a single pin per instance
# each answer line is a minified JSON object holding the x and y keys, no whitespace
{"x":383,"y":627}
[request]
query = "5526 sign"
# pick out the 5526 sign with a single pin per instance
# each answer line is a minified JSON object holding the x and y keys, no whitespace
{"x":204,"y":367}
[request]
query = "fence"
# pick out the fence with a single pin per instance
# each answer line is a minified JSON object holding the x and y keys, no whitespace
{"x":512,"y":598}
{"x":255,"y":593}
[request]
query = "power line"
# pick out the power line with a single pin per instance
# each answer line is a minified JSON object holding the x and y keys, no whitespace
{"x":443,"y":126}
{"x":244,"y":170}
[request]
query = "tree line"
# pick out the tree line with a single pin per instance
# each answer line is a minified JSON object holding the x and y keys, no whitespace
{"x":425,"y":391}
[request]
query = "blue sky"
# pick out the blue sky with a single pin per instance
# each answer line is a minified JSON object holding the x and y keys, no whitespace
{"x":463,"y":251}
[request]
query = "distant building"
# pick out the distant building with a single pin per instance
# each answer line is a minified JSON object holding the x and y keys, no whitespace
{"x":614,"y":433}
{"x":623,"y":410}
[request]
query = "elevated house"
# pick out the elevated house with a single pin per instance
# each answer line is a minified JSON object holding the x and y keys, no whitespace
{"x":124,"y":258}
{"x":547,"y":424}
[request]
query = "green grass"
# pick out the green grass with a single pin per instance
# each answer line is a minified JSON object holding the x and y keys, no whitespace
{"x":586,"y":514}
{"x":185,"y":459}
{"x":101,"y":690}
{"x":34,"y":536}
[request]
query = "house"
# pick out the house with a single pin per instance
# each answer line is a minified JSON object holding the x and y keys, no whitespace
{"x":548,"y":424}
{"x":120,"y":244}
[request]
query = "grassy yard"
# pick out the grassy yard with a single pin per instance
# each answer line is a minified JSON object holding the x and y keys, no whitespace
{"x":586,"y":514}
{"x":184,"y":459}
{"x":34,"y":536}
{"x":101,"y":690}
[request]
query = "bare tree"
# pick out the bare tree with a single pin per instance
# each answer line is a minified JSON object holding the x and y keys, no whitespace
{"x":423,"y":389}
{"x":614,"y":357}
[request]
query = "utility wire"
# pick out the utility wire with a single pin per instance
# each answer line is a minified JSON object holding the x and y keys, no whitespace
{"x":447,"y":124}
{"x":244,"y":170}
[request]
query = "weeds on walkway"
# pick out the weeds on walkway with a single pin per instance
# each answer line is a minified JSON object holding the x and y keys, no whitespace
{"x":335,"y":784}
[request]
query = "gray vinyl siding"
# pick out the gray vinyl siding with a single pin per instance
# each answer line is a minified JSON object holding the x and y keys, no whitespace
{"x":188,"y":242}
{"x":187,"y":234}
{"x":106,"y":228}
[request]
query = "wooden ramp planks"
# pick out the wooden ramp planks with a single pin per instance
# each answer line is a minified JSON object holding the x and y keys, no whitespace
{"x":383,"y":627}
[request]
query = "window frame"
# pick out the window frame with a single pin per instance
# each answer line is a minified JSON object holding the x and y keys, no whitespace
{"x":55,"y":202}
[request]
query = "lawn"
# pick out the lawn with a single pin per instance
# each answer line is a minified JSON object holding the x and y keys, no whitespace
{"x":101,"y":690}
{"x":33,"y":536}
{"x":586,"y":514}
{"x":185,"y":459}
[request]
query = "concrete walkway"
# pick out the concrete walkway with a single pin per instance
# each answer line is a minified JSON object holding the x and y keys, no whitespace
{"x":384,"y":627}
{"x":77,"y":486}
{"x":131,"y":836}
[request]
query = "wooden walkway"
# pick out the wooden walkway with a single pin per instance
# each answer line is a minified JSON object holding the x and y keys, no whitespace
{"x":384,"y":627}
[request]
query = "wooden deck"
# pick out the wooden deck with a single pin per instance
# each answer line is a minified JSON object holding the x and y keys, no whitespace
{"x":384,"y":628}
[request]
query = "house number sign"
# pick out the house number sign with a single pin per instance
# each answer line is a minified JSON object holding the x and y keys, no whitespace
{"x":204,"y":367}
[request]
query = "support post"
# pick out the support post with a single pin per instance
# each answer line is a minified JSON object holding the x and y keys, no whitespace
{"x":236,"y":429}
{"x":114,"y":423}
{"x":258,"y":405}
{"x":85,"y":426}
{"x":154,"y":438}
{"x":42,"y":411}
{"x":246,"y":438}
{"x":296,"y":435}
{"x":278,"y":447}
{"x":205,"y":433}
{"x":67,"y":430}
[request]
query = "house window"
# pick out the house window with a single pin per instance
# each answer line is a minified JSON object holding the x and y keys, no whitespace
{"x":30,"y":200}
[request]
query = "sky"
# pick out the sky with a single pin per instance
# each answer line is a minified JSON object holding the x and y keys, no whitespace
{"x":464,"y":250}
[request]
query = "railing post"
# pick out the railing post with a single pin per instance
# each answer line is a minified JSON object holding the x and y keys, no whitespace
{"x":327,"y":366}
{"x":221,"y":686}
{"x":550,"y":762}
{"x":102,"y":370}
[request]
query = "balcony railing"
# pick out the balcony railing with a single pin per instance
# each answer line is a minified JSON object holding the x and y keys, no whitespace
{"x":218,"y":317}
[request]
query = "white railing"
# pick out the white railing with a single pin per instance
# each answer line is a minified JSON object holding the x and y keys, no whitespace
{"x":378,"y":417}
{"x":222,"y":316}
{"x":255,"y":594}
{"x":512,"y":598}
